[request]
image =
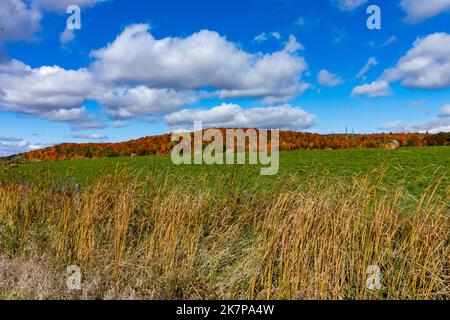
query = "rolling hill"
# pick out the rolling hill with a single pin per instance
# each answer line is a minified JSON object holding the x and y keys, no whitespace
{"x":289,"y":140}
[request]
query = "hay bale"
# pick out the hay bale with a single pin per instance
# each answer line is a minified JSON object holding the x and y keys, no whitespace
{"x":392,"y":145}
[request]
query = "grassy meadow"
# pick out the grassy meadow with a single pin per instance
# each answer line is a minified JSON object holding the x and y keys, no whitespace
{"x":143,"y":228}
{"x":413,"y":168}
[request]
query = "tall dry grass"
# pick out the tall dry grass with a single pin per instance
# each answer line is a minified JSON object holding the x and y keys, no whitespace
{"x":154,"y":238}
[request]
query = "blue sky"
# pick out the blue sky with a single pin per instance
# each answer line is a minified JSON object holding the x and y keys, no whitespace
{"x":138,"y":68}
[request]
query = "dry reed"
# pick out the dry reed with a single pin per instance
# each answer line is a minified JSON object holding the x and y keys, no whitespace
{"x":153,"y":239}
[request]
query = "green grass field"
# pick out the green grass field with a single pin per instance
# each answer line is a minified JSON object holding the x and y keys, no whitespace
{"x":413,"y":168}
{"x":143,"y":228}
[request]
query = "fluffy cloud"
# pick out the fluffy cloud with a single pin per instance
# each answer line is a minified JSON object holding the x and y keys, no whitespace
{"x":20,"y":19}
{"x":156,"y":77}
{"x":48,"y":92}
{"x":61,"y":6}
{"x":292,"y":45}
{"x":69,"y":115}
{"x":370,"y":63}
{"x":375,"y":89}
{"x":426,"y":65}
{"x":13,"y":145}
{"x":420,"y":10}
{"x":17,"y":21}
{"x":54,"y":93}
{"x":57,"y":94}
{"x":349,"y":5}
{"x":329,"y":79}
{"x":123,"y":103}
{"x":445,"y":112}
{"x":433,"y":126}
{"x":283,"y":117}
{"x":202,"y":60}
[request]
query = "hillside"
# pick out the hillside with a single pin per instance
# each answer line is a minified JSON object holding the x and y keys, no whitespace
{"x":289,"y":140}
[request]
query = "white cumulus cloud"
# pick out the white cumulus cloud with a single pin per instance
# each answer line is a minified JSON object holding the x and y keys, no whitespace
{"x":375,"y":89}
{"x":124,"y":103}
{"x":420,"y":10}
{"x":202,"y":60}
{"x":47,"y":92}
{"x":140,"y":76}
{"x":328,"y":79}
{"x":20,"y":19}
{"x":283,"y":117}
{"x":17,"y":21}
{"x":13,"y":145}
{"x":426,"y":65}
